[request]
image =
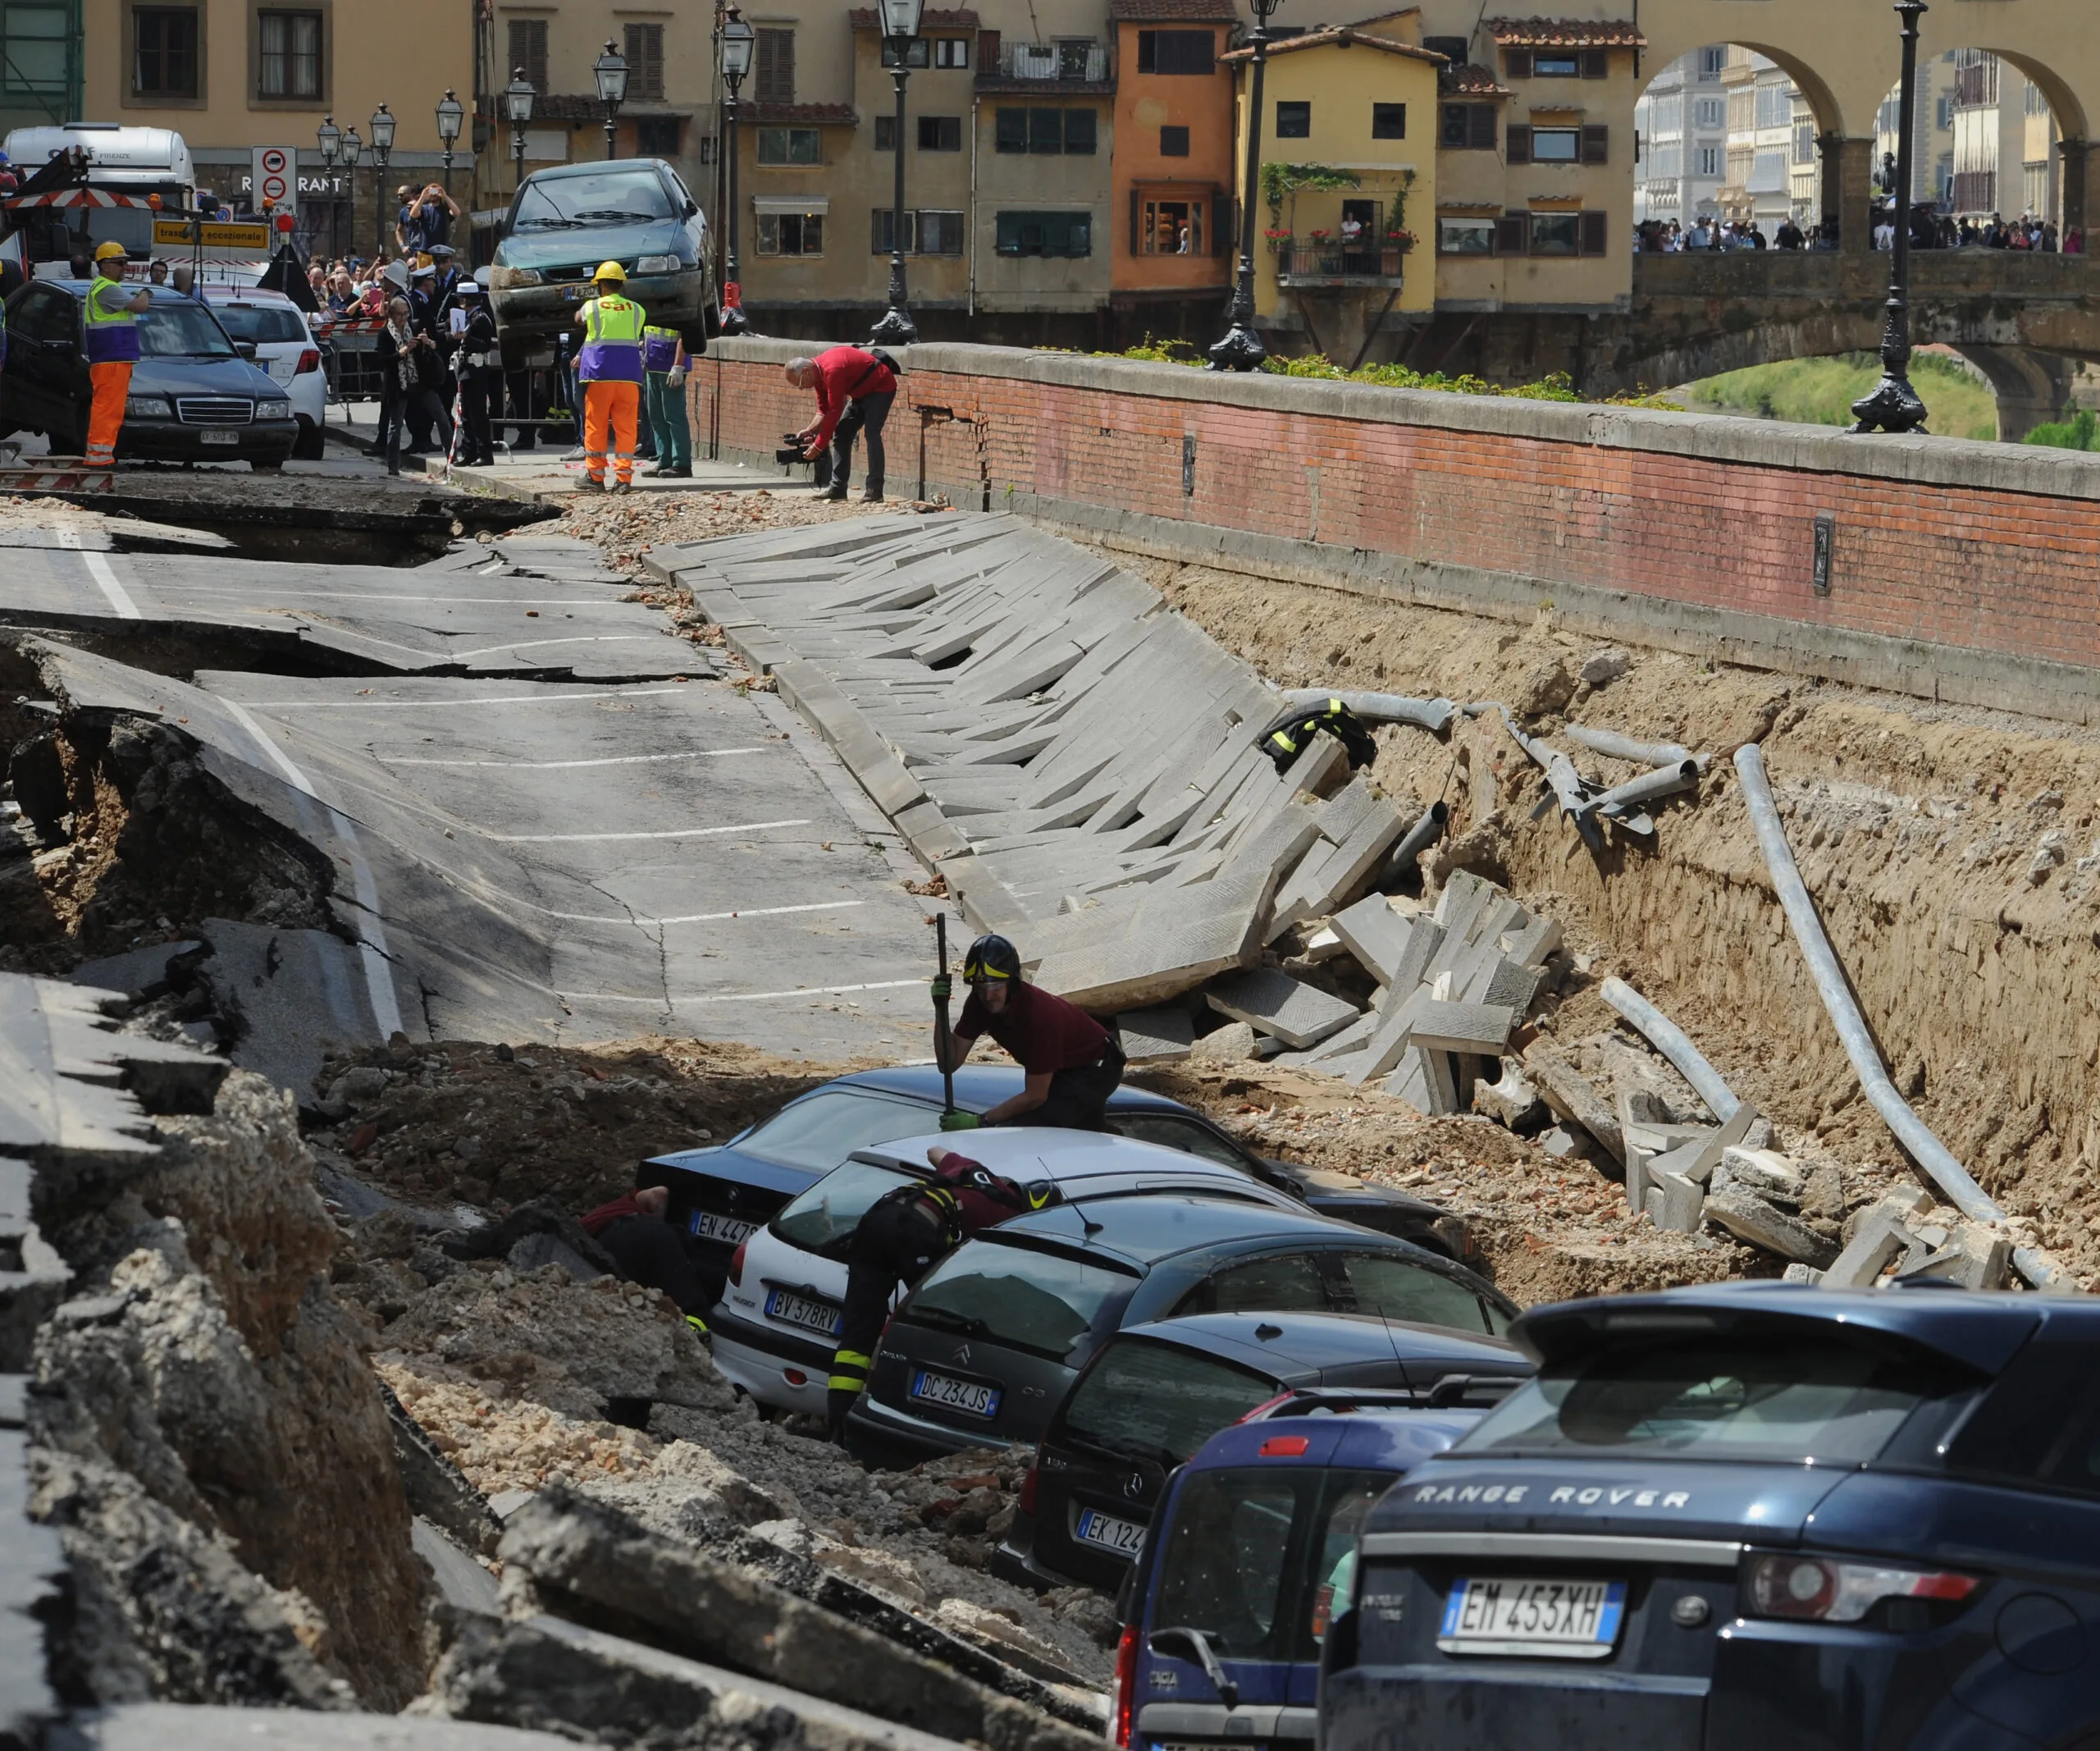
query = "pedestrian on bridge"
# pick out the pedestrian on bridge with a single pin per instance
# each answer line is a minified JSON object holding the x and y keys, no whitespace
{"x":113,"y":313}
{"x":855,"y":386}
{"x":610,"y":369}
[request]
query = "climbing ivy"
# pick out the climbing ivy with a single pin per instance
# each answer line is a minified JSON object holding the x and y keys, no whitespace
{"x":1281,"y":182}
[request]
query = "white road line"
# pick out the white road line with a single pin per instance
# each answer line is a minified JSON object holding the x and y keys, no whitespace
{"x":743,"y":997}
{"x":535,"y":644}
{"x":426,"y":705}
{"x":541,"y":766}
{"x":673,"y":833}
{"x":702,"y":917}
{"x":105,"y":576}
{"x":372,"y":935}
{"x":567,"y":604}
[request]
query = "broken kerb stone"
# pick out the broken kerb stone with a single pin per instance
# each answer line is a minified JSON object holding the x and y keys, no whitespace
{"x":1674,"y":1204}
{"x":586,"y":1563}
{"x":1573,"y":1098}
{"x":1749,"y":1218}
{"x":1765,"y":1172}
{"x":1272,"y":1002}
{"x":1881,"y":1235}
{"x":1973,"y":1256}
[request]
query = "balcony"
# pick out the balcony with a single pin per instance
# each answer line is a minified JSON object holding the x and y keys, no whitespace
{"x":1066,"y":62}
{"x":1303,"y":264}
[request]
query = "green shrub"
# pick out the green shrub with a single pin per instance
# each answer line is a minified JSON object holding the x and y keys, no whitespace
{"x":2080,"y":431}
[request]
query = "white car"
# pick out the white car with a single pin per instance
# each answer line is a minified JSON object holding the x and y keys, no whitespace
{"x":777,"y":1322}
{"x":285,"y":346}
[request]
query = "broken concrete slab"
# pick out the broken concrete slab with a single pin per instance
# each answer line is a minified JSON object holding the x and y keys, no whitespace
{"x":296,"y":997}
{"x":1749,"y":1218}
{"x":1233,"y":1044}
{"x":1881,"y":1235}
{"x":465,"y":1585}
{"x":1375,"y":935}
{"x":1572,"y":1095}
{"x":1159,"y":1035}
{"x":1509,"y":1101}
{"x":157,"y":1726}
{"x":1482,"y":1029}
{"x":1763,"y":1171}
{"x":1272,"y":1002}
{"x":1973,"y":1256}
{"x":137,"y":973}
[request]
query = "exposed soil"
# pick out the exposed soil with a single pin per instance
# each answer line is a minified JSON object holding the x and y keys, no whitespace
{"x":627,"y":528}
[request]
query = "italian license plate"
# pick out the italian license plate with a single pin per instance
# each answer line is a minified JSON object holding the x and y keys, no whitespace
{"x":215,"y":436}
{"x":1105,"y":1532}
{"x":804,"y":1310}
{"x":951,"y":1394}
{"x":1564,"y":1620}
{"x":707,"y":1226}
{"x":573,"y":293}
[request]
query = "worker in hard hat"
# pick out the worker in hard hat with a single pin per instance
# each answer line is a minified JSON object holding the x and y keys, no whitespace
{"x":610,"y":369}
{"x":113,"y":313}
{"x":1070,"y":1064}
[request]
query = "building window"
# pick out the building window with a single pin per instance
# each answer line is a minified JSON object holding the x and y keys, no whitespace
{"x":528,"y":49}
{"x":1043,"y":131}
{"x":790,"y":233}
{"x":1174,"y":143}
{"x":1080,"y":132}
{"x":951,"y":52}
{"x":1166,"y":51}
{"x":917,"y":53}
{"x":885,"y":133}
{"x":1710,"y":112}
{"x":1064,"y":234}
{"x":657,"y":136}
{"x":1711,"y":61}
{"x":38,"y":50}
{"x":1804,"y":143}
{"x":1709,"y":160}
{"x":926,"y":232}
{"x":1171,"y":227}
{"x":1556,"y":233}
{"x":165,"y":61}
{"x":1465,"y":236}
{"x":1078,"y":59}
{"x":1467,"y":127}
{"x":776,"y":66}
{"x":1556,"y":66}
{"x":1389,"y":121}
{"x":1293,"y":121}
{"x":790,"y":146}
{"x":940,"y":133}
{"x":645,"y":63}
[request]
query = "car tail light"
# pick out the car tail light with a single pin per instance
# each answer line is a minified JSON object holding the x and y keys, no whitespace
{"x":1828,"y":1591}
{"x":308,"y":360}
{"x":1283,"y":1447}
{"x":794,"y":1377}
{"x":1025,"y":1497}
{"x":1123,"y":1699}
{"x":736,"y":1264}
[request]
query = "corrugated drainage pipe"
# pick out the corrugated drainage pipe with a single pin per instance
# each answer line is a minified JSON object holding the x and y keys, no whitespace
{"x":1669,"y":1039}
{"x":1910,"y":1131}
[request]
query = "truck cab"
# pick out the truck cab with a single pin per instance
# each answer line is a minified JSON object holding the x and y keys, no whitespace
{"x":133,"y":163}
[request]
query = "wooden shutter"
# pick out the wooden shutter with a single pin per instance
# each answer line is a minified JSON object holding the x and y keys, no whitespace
{"x":528,"y":49}
{"x":1225,"y":226}
{"x":1148,"y":51}
{"x":1480,"y":127}
{"x":1595,"y":235}
{"x":1596,"y":143}
{"x":1520,"y":143}
{"x":1512,"y":234}
{"x":1516,"y":63}
{"x":1137,"y":224}
{"x":1596,"y":63}
{"x":987,"y":51}
{"x":776,"y":66}
{"x":645,"y":62}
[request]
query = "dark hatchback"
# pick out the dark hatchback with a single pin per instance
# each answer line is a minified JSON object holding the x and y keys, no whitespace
{"x":720,"y":1194}
{"x":984,"y":1349}
{"x":1156,"y":1392}
{"x":1749,"y":1516}
{"x":194,"y":397}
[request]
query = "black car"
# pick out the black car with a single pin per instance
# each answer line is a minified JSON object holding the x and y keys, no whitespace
{"x":195,"y":396}
{"x":985,"y":1347}
{"x":1155,"y":1393}
{"x":1744,"y":1517}
{"x":721,"y":1193}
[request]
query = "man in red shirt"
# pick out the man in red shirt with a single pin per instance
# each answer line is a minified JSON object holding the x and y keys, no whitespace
{"x":1071,"y":1062}
{"x":854,"y":390}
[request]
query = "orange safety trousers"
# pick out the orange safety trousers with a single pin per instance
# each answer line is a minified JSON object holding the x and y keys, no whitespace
{"x":113,"y":386}
{"x":617,"y":406}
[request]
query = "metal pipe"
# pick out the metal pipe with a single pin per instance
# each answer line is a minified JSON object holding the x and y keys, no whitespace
{"x":1432,"y":715}
{"x":1625,"y":748}
{"x":1665,"y":781}
{"x":1415,"y":841}
{"x":1669,"y":1039}
{"x":1910,"y":1131}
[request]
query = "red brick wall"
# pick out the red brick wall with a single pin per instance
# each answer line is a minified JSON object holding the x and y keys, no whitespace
{"x":1976,"y":566}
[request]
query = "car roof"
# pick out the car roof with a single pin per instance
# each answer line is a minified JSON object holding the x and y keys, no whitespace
{"x":1383,"y":1440}
{"x":1980,"y":1330}
{"x":984,"y":1085}
{"x":1300,"y":1346}
{"x":1145,"y":1229}
{"x":559,"y":172}
{"x":1028,"y":1152}
{"x":245,"y":294}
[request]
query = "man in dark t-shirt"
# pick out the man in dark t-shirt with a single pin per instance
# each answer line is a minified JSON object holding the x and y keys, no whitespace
{"x":1071,"y":1062}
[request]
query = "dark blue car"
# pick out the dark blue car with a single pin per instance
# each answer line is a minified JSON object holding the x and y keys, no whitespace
{"x":1249,"y":1558}
{"x":1745,"y":1517}
{"x":720,"y":1194}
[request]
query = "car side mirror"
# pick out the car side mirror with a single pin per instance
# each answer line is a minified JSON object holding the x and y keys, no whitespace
{"x":246,"y":348}
{"x":692,"y":209}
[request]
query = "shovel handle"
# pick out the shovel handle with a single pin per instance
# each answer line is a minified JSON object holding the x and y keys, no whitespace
{"x":941,"y":1042}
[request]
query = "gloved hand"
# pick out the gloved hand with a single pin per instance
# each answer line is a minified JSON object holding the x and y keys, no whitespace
{"x":676,"y":379}
{"x":943,"y":988}
{"x":958,"y":1122}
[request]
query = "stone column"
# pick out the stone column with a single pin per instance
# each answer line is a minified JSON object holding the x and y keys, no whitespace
{"x":1847,"y":191}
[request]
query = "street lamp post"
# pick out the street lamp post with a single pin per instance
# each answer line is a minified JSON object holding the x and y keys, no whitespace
{"x":738,"y":41}
{"x":331,"y":138}
{"x":1894,"y":405}
{"x":610,"y":71}
{"x":517,"y":110}
{"x":382,"y":150}
{"x":450,"y":114}
{"x":899,"y":20}
{"x":1241,"y":349}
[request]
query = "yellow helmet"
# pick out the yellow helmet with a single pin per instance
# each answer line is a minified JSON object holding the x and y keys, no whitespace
{"x":109,"y":251}
{"x":611,"y":271}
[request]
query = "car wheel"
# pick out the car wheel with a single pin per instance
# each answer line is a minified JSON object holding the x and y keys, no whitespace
{"x":312,"y":444}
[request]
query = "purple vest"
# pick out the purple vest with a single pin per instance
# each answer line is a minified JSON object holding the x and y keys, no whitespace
{"x":612,"y":343}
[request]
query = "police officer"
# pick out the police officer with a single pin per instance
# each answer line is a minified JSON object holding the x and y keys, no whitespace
{"x":480,"y":375}
{"x":610,"y":368}
{"x":903,"y":1234}
{"x":112,"y":351}
{"x":1071,"y":1063}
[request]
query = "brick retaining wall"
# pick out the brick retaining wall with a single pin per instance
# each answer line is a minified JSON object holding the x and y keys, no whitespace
{"x":1958,"y":570}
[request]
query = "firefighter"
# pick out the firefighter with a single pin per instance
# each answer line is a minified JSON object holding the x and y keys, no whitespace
{"x":1072,"y":1063}
{"x":112,"y":349}
{"x":903,"y":1235}
{"x":610,"y":368}
{"x":1286,"y":737}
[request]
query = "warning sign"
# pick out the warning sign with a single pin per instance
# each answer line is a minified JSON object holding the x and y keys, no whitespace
{"x":273,"y":176}
{"x":179,"y":233}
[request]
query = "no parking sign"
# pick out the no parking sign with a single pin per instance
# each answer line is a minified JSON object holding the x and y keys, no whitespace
{"x":273,"y":175}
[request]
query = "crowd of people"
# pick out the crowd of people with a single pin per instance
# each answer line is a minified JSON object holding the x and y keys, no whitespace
{"x":1929,"y":229}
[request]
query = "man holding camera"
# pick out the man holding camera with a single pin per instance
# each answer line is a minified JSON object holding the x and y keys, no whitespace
{"x":854,"y":389}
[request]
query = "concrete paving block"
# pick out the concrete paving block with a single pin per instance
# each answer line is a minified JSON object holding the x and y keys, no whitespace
{"x":1424,"y":1080}
{"x":1322,"y":945}
{"x":1679,"y":1201}
{"x":1512,"y":984}
{"x":1425,"y":943}
{"x":1480,"y":1028}
{"x":1729,"y":1135}
{"x":1881,"y":1237}
{"x":1749,"y":1218}
{"x":1396,"y":1021}
{"x":1532,"y":943}
{"x":1459,"y":905}
{"x":1158,"y":1035}
{"x":1374,"y":934}
{"x":1764,"y":1171}
{"x":1272,"y":1002}
{"x":1351,"y":1039}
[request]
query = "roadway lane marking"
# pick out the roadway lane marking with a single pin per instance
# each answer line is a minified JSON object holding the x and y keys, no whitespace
{"x":398,"y":704}
{"x":372,"y":947}
{"x":105,"y":578}
{"x":673,"y":833}
{"x":535,"y":644}
{"x":543,"y":765}
{"x":744,"y":997}
{"x":701,"y":918}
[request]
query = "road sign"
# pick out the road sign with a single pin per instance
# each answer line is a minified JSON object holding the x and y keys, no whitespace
{"x":176,"y":233}
{"x":273,"y":176}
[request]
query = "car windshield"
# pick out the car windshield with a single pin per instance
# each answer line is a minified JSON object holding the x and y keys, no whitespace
{"x":1394,"y":1288}
{"x":605,"y":197}
{"x":259,"y":323}
{"x":1261,"y":1561}
{"x":181,"y":328}
{"x":1154,"y":1400}
{"x":821,"y":1130}
{"x":1012,"y":1295}
{"x":1823,"y":1399}
{"x":826,"y":1215}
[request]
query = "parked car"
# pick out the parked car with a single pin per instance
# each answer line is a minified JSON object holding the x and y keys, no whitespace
{"x":285,"y":347}
{"x":566,"y":220}
{"x":775,"y":1323}
{"x":1249,"y":1558}
{"x":1153,"y":1394}
{"x":986,"y":1347}
{"x":1745,"y":1515}
{"x":195,"y":396}
{"x":720,"y":1194}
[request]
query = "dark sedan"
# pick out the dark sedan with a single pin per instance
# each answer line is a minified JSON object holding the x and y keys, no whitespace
{"x":719,"y":1194}
{"x":194,"y":397}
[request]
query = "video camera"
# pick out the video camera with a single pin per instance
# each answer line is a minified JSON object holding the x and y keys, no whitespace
{"x":790,"y":452}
